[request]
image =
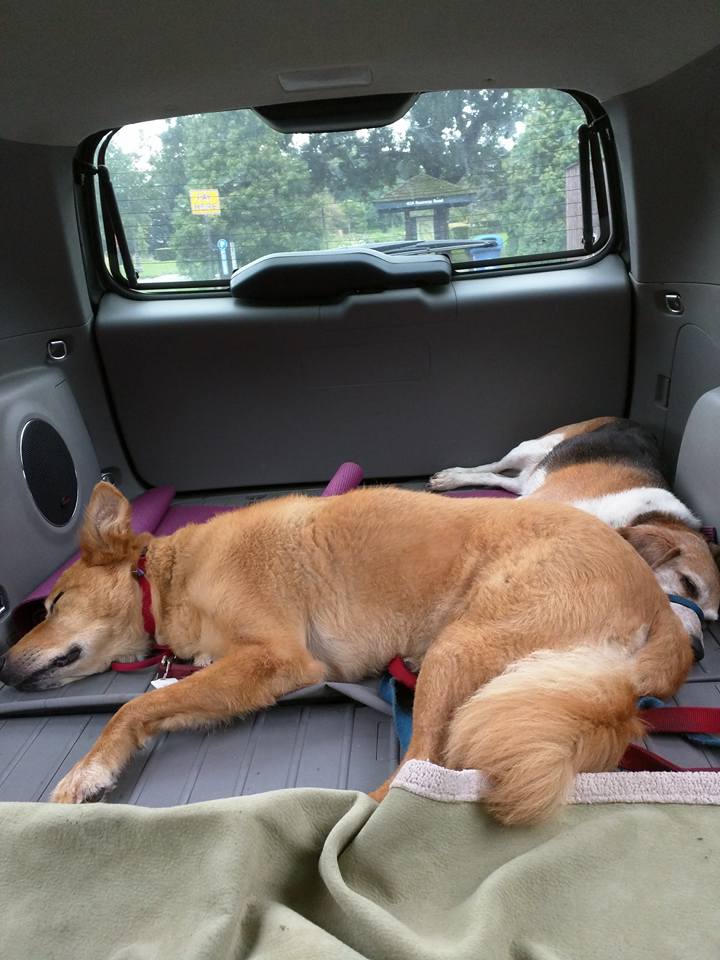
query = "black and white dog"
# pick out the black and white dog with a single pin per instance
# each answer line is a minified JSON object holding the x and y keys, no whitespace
{"x":610,"y":467}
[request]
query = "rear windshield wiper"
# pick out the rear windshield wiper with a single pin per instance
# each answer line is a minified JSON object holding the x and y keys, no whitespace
{"x":439,"y":246}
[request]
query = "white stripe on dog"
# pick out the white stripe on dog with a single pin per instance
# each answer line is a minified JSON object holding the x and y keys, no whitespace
{"x":622,"y":509}
{"x":534,"y":481}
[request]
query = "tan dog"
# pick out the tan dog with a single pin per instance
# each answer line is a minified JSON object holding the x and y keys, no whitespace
{"x":291,"y":591}
{"x":610,"y":467}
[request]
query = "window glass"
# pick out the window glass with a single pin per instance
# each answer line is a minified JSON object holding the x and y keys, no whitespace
{"x":484,"y":174}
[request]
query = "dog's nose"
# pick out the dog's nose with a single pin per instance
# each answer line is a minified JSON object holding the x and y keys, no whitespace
{"x":698,"y":646}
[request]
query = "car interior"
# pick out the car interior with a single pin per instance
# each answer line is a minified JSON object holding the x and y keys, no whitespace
{"x":243,"y":246}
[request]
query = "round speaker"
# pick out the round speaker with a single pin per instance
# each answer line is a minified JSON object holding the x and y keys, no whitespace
{"x":49,"y":471}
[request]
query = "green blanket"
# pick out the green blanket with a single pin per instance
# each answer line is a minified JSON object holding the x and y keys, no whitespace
{"x":322,"y":873}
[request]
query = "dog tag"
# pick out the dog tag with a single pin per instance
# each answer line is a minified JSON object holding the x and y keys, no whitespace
{"x":163,"y":682}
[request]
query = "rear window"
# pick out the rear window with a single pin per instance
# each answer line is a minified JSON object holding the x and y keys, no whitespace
{"x":487,"y":176}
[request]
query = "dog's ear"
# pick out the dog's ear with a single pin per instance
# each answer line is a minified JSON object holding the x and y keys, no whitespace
{"x":106,"y":533}
{"x":652,"y":543}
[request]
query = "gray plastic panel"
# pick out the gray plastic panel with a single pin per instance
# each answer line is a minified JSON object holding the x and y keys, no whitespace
{"x":404,"y":382}
{"x":698,"y":467}
{"x":43,"y":279}
{"x":340,"y":745}
{"x":677,"y":358}
{"x":672,"y":201}
{"x":696,"y":369}
{"x":672,"y":183}
{"x":30,"y":545}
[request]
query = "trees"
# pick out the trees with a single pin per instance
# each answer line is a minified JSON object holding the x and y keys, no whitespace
{"x":532,"y":210}
{"x":265,"y":190}
{"x":131,"y":188}
{"x":457,"y":135}
{"x":277,"y":192}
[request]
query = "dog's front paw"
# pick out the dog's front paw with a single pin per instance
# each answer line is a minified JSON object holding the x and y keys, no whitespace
{"x":87,"y":782}
{"x":445,"y":479}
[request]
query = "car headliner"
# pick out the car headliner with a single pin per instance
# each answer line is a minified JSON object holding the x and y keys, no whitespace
{"x":68,"y":69}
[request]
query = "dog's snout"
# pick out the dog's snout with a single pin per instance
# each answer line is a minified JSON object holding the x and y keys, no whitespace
{"x":698,"y":646}
{"x":7,"y":673}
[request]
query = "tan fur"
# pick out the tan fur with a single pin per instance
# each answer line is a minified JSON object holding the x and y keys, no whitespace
{"x":583,"y":426}
{"x":589,"y":691}
{"x":291,"y":591}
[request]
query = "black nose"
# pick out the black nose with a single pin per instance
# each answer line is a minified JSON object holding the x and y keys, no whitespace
{"x":698,"y":646}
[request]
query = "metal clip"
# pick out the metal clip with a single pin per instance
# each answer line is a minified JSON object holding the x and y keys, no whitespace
{"x":674,"y":304}
{"x":164,"y":667}
{"x":57,"y":350}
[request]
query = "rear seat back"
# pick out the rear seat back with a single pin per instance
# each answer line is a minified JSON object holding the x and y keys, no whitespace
{"x":698,"y":466}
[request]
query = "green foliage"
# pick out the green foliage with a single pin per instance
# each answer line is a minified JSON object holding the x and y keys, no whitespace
{"x":533,"y":173}
{"x":293,"y":193}
{"x":130,"y":185}
{"x":265,"y":191}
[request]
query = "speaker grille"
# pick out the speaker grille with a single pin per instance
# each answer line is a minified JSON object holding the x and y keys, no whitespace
{"x":49,"y":471}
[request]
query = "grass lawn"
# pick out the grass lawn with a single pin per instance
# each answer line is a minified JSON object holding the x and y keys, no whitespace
{"x":156,"y":268}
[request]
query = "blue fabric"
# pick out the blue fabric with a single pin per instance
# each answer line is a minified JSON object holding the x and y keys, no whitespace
{"x":400,"y":699}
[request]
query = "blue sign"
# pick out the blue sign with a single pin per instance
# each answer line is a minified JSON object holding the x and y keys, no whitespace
{"x":222,"y":244}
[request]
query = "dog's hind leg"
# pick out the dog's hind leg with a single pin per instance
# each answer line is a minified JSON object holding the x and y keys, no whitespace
{"x":523,"y":458}
{"x":462,"y":659}
{"x":250,"y":678}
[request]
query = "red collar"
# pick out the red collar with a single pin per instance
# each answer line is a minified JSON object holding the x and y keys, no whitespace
{"x":141,"y":577}
{"x":161,"y":656}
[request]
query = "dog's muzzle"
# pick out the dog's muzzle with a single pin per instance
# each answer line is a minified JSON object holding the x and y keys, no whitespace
{"x":696,"y":639}
{"x":41,"y":679}
{"x":698,"y":646}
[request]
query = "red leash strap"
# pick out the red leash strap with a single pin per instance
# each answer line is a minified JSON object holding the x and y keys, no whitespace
{"x":671,"y":720}
{"x":152,"y":661}
{"x":177,"y":671}
{"x":638,"y":758}
{"x":160,"y":656}
{"x":398,"y":670}
{"x":657,"y":720}
{"x":682,"y":719}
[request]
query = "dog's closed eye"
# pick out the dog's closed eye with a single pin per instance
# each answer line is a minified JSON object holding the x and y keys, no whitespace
{"x":73,"y":654}
{"x":54,"y":602}
{"x":689,"y":587}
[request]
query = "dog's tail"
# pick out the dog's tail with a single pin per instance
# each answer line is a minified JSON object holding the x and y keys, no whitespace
{"x":549,"y":716}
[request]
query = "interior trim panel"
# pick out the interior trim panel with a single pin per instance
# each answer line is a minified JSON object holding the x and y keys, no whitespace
{"x":213,"y":393}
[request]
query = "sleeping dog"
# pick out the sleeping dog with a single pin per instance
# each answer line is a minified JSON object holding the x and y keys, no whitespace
{"x":610,"y":467}
{"x":536,"y":628}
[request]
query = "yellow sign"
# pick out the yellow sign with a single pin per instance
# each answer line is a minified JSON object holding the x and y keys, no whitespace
{"x":205,"y":203}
